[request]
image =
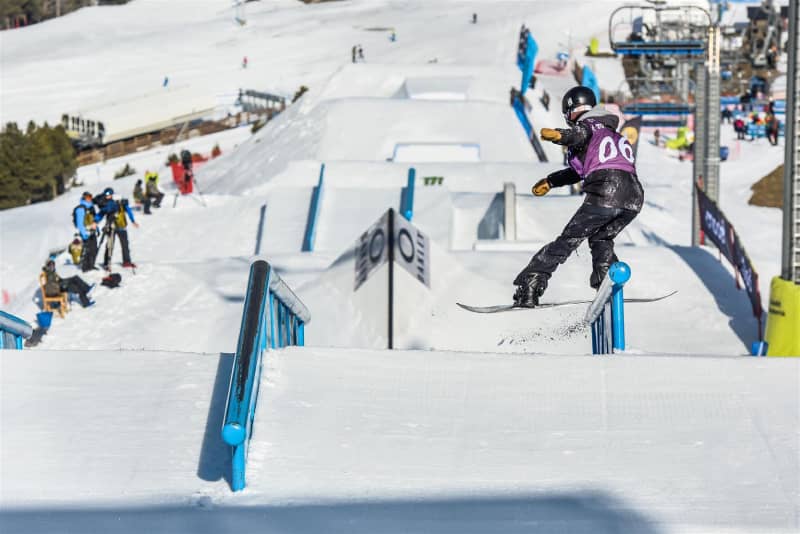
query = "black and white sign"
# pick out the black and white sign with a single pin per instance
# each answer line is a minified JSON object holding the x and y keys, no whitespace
{"x":371,"y":250}
{"x":412,"y":250}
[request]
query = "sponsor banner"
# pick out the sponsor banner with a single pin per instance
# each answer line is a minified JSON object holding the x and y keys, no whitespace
{"x":412,"y":250}
{"x":719,"y":231}
{"x":631,"y":131}
{"x":716,"y":227}
{"x":748,"y":273}
{"x":372,"y":250}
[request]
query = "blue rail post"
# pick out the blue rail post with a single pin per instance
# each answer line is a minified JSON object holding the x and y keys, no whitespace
{"x":619,"y":273}
{"x":407,"y":207}
{"x":606,"y":313}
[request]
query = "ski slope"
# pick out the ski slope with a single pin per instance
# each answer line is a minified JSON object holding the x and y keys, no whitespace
{"x":496,"y":423}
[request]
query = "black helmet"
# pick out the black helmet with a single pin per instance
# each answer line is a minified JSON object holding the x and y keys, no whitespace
{"x":578,"y":98}
{"x":107,"y":192}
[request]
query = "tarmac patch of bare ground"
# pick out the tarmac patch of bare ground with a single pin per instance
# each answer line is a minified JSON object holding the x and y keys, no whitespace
{"x":768,"y":191}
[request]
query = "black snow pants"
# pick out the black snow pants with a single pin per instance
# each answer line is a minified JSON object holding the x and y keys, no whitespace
{"x":89,"y":252}
{"x":75,"y":284}
{"x":123,"y":241}
{"x":600,"y":225}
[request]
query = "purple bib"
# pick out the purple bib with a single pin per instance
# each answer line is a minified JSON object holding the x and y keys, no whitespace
{"x":607,"y":150}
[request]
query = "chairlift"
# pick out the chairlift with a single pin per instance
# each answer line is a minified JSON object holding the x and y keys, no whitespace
{"x":659,"y":29}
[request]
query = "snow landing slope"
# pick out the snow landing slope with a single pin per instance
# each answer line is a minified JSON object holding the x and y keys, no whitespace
{"x":462,"y":437}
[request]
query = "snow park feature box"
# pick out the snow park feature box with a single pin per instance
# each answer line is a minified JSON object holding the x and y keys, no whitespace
{"x":783,"y":320}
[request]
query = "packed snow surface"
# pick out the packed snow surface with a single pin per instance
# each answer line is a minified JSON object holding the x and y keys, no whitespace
{"x":498,"y":423}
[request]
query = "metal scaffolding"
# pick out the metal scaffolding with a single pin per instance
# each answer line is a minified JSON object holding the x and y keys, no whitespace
{"x":705,"y":168}
{"x":790,"y":260}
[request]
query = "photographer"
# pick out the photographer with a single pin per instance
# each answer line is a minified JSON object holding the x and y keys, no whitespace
{"x":117,"y":212}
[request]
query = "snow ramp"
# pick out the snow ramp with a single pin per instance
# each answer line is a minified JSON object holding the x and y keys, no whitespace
{"x":573,"y":444}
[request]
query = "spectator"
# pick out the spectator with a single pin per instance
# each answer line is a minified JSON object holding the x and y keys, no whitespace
{"x":657,"y":136}
{"x":55,"y":285}
{"x":116,"y":213}
{"x":76,"y":249}
{"x":772,"y":129}
{"x":244,"y":62}
{"x":140,"y":198}
{"x":84,"y":219}
{"x":354,"y":51}
{"x":474,"y":18}
{"x":739,"y":127}
{"x":153,"y":194}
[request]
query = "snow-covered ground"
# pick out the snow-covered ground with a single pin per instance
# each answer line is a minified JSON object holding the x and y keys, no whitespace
{"x":485,"y":423}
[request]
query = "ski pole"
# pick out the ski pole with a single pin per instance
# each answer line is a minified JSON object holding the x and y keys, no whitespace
{"x":203,"y":200}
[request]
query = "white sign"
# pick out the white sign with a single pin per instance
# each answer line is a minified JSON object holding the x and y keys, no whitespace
{"x":412,"y":250}
{"x":371,"y":250}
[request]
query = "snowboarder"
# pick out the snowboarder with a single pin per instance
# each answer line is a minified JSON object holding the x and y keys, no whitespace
{"x":474,"y":18}
{"x":244,"y":62}
{"x":54,"y":285}
{"x":603,"y":159}
{"x":354,"y":52}
{"x":117,"y":212}
{"x":360,"y":53}
{"x":83,"y":217}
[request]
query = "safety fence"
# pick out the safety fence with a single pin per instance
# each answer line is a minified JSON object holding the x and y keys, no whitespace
{"x":273,"y":317}
{"x":313,"y":213}
{"x":12,"y":331}
{"x":606,"y":313}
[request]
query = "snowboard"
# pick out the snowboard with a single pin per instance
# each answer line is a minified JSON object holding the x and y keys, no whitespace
{"x":512,"y":307}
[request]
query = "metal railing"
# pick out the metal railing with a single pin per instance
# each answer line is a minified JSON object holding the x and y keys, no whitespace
{"x":12,"y":331}
{"x":606,"y":313}
{"x":273,"y":317}
{"x":313,"y":213}
{"x":407,"y":200}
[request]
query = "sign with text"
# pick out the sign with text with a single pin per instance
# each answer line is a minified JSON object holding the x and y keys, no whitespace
{"x":371,"y":250}
{"x":412,"y":249}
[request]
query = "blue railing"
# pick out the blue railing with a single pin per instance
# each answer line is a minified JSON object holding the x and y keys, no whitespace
{"x":273,"y":317}
{"x":313,"y":213}
{"x":407,"y":200}
{"x":12,"y":331}
{"x":606,"y":313}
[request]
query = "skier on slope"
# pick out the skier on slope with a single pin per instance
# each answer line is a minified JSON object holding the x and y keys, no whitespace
{"x":604,"y":160}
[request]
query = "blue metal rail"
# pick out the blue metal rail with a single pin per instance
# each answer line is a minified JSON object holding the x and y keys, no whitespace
{"x":407,"y":201}
{"x":606,"y":313}
{"x":12,"y":331}
{"x":313,"y":213}
{"x":273,"y":317}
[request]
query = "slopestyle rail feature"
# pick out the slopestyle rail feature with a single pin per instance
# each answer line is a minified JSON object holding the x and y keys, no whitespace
{"x":606,"y":313}
{"x":273,"y":317}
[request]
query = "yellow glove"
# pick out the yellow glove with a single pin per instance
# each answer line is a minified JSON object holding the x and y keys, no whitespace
{"x":550,"y":134}
{"x":541,"y":187}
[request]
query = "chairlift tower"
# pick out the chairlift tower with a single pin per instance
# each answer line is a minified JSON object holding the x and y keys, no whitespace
{"x":790,"y":257}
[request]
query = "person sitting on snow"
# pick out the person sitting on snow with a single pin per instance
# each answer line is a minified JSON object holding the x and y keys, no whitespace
{"x":154,"y":195}
{"x":140,"y":198}
{"x":603,"y":159}
{"x":54,"y":285}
